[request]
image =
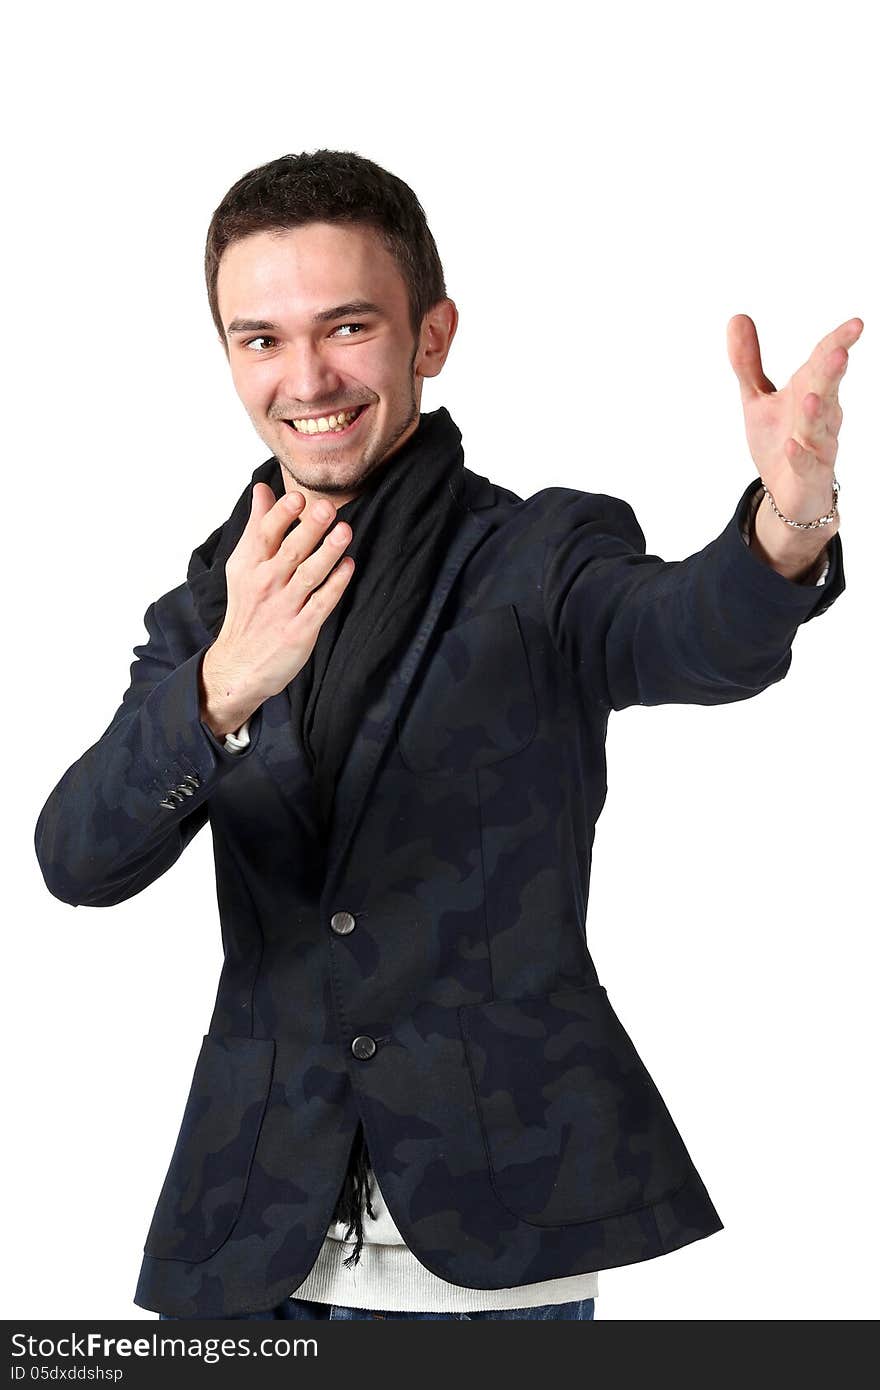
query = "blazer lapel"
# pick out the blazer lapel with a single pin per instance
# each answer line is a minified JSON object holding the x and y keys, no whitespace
{"x":377,"y":725}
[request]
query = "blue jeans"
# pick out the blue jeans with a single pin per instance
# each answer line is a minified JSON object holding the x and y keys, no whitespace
{"x":303,"y":1310}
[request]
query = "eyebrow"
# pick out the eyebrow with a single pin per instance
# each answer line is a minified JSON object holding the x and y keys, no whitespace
{"x":339,"y":311}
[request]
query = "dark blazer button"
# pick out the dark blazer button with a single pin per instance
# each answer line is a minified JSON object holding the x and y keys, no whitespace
{"x":342,"y":923}
{"x":169,"y":805}
{"x":185,"y":788}
{"x":363,"y":1046}
{"x":191,"y":777}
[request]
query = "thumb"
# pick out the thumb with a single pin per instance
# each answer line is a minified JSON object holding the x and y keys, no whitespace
{"x":745,"y":357}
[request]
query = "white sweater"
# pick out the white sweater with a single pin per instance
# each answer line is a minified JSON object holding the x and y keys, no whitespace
{"x":389,"y":1276}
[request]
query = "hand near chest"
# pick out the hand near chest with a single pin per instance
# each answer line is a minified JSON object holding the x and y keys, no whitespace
{"x":281,"y":588}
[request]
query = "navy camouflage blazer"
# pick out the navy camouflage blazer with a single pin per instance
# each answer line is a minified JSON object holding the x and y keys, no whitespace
{"x":425,"y":969}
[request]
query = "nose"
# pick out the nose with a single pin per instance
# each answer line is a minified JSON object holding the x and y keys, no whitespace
{"x":307,"y":377}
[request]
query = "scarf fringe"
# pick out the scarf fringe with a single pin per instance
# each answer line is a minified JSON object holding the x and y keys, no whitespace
{"x":355,"y":1193}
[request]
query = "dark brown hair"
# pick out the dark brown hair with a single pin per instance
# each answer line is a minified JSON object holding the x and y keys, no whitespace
{"x":330,"y":186}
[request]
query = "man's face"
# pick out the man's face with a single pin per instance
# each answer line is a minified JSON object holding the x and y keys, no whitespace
{"x":298,"y":347}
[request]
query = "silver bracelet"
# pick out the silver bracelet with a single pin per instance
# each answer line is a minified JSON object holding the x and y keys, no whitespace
{"x":806,"y":525}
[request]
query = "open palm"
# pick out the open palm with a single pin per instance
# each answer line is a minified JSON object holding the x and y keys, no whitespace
{"x":792,"y":433}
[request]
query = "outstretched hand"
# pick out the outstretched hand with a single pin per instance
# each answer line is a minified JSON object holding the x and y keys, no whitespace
{"x":792,"y":433}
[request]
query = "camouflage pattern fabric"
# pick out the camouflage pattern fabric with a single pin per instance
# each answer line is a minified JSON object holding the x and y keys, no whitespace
{"x":425,"y":970}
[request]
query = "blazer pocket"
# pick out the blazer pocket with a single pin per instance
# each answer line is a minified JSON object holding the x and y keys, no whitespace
{"x":574,"y":1127}
{"x":206,"y":1182}
{"x":474,"y":703}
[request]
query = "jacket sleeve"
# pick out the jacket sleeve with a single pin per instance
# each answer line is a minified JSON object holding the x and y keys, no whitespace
{"x":128,"y":807}
{"x":638,"y":630}
{"x":817,"y":575}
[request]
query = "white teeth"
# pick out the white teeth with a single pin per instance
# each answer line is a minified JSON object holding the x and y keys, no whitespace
{"x":325,"y":423}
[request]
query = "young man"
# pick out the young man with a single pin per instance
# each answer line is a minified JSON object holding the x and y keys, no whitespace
{"x":386,"y":683}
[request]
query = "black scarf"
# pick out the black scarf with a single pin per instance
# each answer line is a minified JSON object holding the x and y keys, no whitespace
{"x":402,"y":525}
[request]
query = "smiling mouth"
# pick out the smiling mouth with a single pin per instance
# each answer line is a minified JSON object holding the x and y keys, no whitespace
{"x":329,"y":426}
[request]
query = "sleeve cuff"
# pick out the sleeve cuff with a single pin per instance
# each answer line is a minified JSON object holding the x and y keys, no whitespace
{"x":823,"y":562}
{"x":224,"y":751}
{"x":238,"y":741}
{"x":772,"y":589}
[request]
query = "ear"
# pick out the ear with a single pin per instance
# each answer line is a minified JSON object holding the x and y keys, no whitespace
{"x":438,"y":330}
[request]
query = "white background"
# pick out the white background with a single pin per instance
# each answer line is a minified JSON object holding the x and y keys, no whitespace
{"x":607,"y":186}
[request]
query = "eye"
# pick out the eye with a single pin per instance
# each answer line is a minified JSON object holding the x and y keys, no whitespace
{"x":263,"y":338}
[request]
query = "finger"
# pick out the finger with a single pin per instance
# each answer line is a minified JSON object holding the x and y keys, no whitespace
{"x":272,"y":526}
{"x":262,"y":501}
{"x":811,"y":470}
{"x":314,"y":604}
{"x":310,"y":569}
{"x":830,"y":373}
{"x":744,"y":352}
{"x":302,"y":539}
{"x":269,"y":518}
{"x":828,"y":360}
{"x":812,"y":431}
{"x":810,"y":426}
{"x":844,"y":335}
